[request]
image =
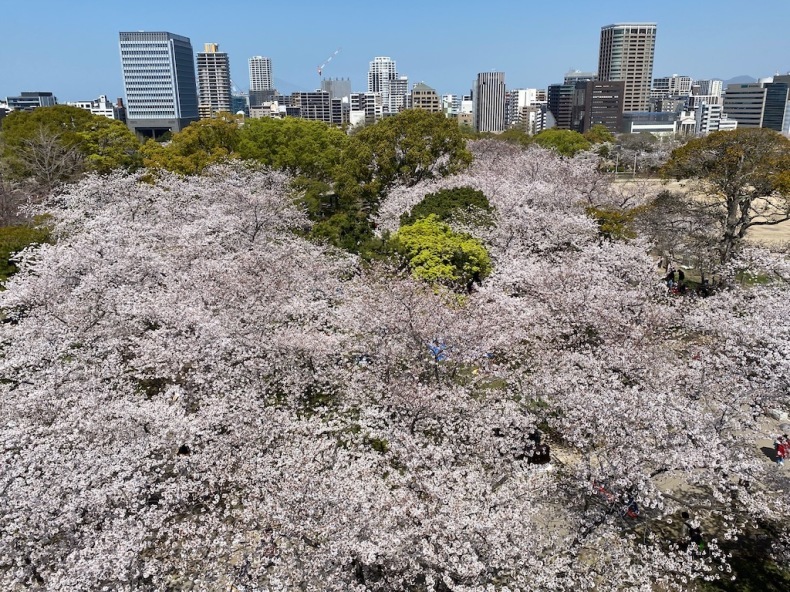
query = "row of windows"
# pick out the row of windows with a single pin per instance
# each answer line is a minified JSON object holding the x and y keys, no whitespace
{"x":150,"y":62}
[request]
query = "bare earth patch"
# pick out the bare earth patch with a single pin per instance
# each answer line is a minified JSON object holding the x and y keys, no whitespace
{"x":774,"y":235}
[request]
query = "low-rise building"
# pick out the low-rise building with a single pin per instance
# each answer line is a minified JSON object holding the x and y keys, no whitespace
{"x":29,"y":100}
{"x":425,"y":98}
{"x":101,"y":106}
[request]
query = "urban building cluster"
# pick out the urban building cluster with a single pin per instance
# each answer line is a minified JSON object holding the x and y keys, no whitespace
{"x":167,"y":87}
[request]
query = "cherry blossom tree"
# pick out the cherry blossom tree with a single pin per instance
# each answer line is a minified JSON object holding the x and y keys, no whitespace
{"x":197,"y":397}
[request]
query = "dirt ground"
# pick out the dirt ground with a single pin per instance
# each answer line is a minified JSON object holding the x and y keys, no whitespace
{"x":774,"y":235}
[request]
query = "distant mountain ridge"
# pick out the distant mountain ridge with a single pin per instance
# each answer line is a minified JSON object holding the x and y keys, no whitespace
{"x":742,"y":79}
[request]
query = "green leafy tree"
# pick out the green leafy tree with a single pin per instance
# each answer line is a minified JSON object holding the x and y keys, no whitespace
{"x":108,"y":144}
{"x":196,"y":147}
{"x":614,"y":223}
{"x":15,"y":238}
{"x":565,"y":142}
{"x":746,"y":175}
{"x":310,"y":149}
{"x":514,"y":135}
{"x":464,"y":202}
{"x":53,"y":144}
{"x":45,"y":158}
{"x":598,"y":134}
{"x":61,"y":120}
{"x":437,"y":254}
{"x":407,"y":148}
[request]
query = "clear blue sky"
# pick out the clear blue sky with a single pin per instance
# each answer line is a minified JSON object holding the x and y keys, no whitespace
{"x":71,"y":48}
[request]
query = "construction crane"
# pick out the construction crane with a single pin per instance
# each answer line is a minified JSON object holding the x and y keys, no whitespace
{"x":326,"y":62}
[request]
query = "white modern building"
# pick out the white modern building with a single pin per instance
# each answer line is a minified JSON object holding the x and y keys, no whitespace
{"x":517,"y":99}
{"x":261,"y":80}
{"x":366,"y":108}
{"x":712,"y":87}
{"x":214,"y":90}
{"x":451,"y":105}
{"x":626,"y":53}
{"x":383,"y":78}
{"x":101,"y":106}
{"x":671,"y":86}
{"x":712,"y":118}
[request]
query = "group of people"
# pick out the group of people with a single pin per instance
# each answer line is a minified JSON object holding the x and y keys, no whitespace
{"x":675,"y":280}
{"x":676,"y":286}
{"x":782,"y":449}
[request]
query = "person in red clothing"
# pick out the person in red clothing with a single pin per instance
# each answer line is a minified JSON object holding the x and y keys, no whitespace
{"x":782,"y":449}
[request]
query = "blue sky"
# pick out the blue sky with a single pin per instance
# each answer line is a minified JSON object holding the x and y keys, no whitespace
{"x":71,"y":48}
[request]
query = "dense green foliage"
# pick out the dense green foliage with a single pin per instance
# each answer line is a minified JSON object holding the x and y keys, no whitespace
{"x":614,"y":224}
{"x":464,"y":202}
{"x":404,"y":149}
{"x":437,"y":254}
{"x":107,"y":144}
{"x":199,"y":145}
{"x":15,"y":238}
{"x":514,"y":136}
{"x":304,"y":148}
{"x":53,"y":144}
{"x":565,"y":142}
{"x":598,"y":134}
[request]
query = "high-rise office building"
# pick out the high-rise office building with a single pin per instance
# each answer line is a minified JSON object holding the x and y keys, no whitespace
{"x":383,"y":78}
{"x":777,"y":99}
{"x":598,"y":102}
{"x":159,"y":82}
{"x":261,"y":80}
{"x":626,"y":53}
{"x":561,"y":98}
{"x":489,"y":102}
{"x":213,"y":69}
{"x":560,"y":102}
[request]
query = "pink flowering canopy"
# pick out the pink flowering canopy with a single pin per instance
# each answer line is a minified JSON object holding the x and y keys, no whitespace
{"x":196,"y":397}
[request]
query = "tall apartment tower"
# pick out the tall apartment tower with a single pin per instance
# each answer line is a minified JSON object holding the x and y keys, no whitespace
{"x":381,"y":73}
{"x":489,"y":102}
{"x":261,"y":85}
{"x":159,"y":82}
{"x":213,"y":69}
{"x":626,"y":54}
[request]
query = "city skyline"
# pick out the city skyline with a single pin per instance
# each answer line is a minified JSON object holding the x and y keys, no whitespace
{"x":531,"y":46}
